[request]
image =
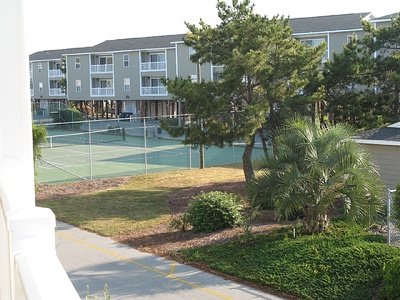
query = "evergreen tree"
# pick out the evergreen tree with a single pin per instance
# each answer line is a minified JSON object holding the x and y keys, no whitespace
{"x":263,"y":66}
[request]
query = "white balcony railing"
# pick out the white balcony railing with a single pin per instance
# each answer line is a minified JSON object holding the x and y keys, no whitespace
{"x":154,"y":66}
{"x":56,"y":92}
{"x":154,"y":90}
{"x":102,"y":92}
{"x":96,"y":69}
{"x":56,"y":73}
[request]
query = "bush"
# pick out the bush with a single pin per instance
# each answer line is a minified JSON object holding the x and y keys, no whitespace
{"x":390,"y":284}
{"x":39,"y":134}
{"x":214,"y":210}
{"x":69,"y":115}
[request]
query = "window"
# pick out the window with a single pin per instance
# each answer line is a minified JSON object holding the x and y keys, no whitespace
{"x":40,"y":87}
{"x":314,"y":43}
{"x":191,"y":51}
{"x":157,"y":57}
{"x":77,"y":63}
{"x":105,"y":60}
{"x":78,"y":85}
{"x":350,"y":37}
{"x":40,"y":68}
{"x":126,"y":60}
{"x":127,"y":84}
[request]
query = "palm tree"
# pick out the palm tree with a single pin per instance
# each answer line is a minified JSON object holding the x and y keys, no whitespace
{"x":314,"y":168}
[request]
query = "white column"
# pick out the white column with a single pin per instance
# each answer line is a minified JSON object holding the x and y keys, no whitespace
{"x":16,"y":154}
{"x":29,"y":267}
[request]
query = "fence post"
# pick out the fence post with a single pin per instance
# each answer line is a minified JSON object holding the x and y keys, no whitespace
{"x":388,"y":215}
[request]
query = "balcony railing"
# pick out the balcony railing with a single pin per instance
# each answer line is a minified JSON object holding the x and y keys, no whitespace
{"x":95,"y":69}
{"x":102,"y":92}
{"x":56,"y":73}
{"x":56,"y":92}
{"x":154,"y":66}
{"x":154,"y":90}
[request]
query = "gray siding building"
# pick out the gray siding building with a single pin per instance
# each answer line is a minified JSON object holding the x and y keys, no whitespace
{"x":125,"y":75}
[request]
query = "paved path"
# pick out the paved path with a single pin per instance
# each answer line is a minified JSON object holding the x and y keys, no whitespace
{"x":93,"y":260}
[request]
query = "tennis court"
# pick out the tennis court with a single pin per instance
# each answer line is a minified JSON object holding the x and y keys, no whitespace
{"x":118,"y":151}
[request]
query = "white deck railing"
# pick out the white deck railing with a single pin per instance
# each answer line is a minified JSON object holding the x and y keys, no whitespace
{"x":56,"y":92}
{"x":102,"y":92}
{"x":56,"y":73}
{"x":154,"y":66}
{"x":95,"y":69}
{"x":154,"y":90}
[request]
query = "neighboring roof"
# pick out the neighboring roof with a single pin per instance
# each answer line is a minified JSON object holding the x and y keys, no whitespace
{"x":385,"y":18}
{"x":327,"y":23}
{"x":56,"y":54}
{"x":385,"y":134}
{"x":153,"y":42}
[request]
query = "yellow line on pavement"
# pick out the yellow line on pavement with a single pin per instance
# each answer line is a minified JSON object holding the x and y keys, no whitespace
{"x":171,"y":271}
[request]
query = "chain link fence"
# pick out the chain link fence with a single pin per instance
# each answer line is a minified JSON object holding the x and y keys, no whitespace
{"x":393,"y":231}
{"x":123,"y":147}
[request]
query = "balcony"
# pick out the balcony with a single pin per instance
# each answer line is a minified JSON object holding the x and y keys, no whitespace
{"x":56,"y":92}
{"x":56,"y":73}
{"x":101,"y":69}
{"x":154,"y":66}
{"x":154,"y":90}
{"x":102,"y":92}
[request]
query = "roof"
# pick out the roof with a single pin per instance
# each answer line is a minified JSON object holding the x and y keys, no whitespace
{"x":387,"y":134}
{"x":153,"y":42}
{"x":299,"y":25}
{"x":386,"y":17}
{"x":56,"y":54}
{"x":327,"y":23}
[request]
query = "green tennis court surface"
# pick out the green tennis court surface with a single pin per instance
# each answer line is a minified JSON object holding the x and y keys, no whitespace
{"x":125,"y":156}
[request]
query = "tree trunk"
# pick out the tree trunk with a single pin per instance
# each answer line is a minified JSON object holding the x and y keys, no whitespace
{"x":263,"y":141}
{"x":246,"y":158}
{"x":314,"y":223}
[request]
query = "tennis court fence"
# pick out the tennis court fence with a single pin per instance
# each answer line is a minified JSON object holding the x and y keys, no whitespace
{"x":122,"y":147}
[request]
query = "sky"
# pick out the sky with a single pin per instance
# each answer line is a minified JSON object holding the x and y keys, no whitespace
{"x":56,"y":24}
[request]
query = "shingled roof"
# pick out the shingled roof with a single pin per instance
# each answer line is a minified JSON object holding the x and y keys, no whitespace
{"x":387,"y":134}
{"x":386,"y":17}
{"x":327,"y":23}
{"x":56,"y":54}
{"x":152,"y":42}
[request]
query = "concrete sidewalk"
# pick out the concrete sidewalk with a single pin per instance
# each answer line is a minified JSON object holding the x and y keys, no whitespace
{"x":92,"y":260}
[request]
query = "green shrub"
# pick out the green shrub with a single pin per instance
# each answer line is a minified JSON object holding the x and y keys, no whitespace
{"x":214,"y":210}
{"x":71,"y":115}
{"x":39,"y":134}
{"x":390,"y":285}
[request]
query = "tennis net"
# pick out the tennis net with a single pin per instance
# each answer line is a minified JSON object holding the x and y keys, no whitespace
{"x":85,"y":138}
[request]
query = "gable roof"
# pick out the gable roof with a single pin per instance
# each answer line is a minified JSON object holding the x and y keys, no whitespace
{"x":56,"y":54}
{"x":153,"y":42}
{"x":386,"y":18}
{"x":327,"y":23}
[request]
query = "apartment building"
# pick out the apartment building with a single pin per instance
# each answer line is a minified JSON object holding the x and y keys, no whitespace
{"x":124,"y":75}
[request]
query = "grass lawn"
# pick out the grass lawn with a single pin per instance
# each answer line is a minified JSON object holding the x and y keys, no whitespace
{"x":345,"y":263}
{"x":139,"y":204}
